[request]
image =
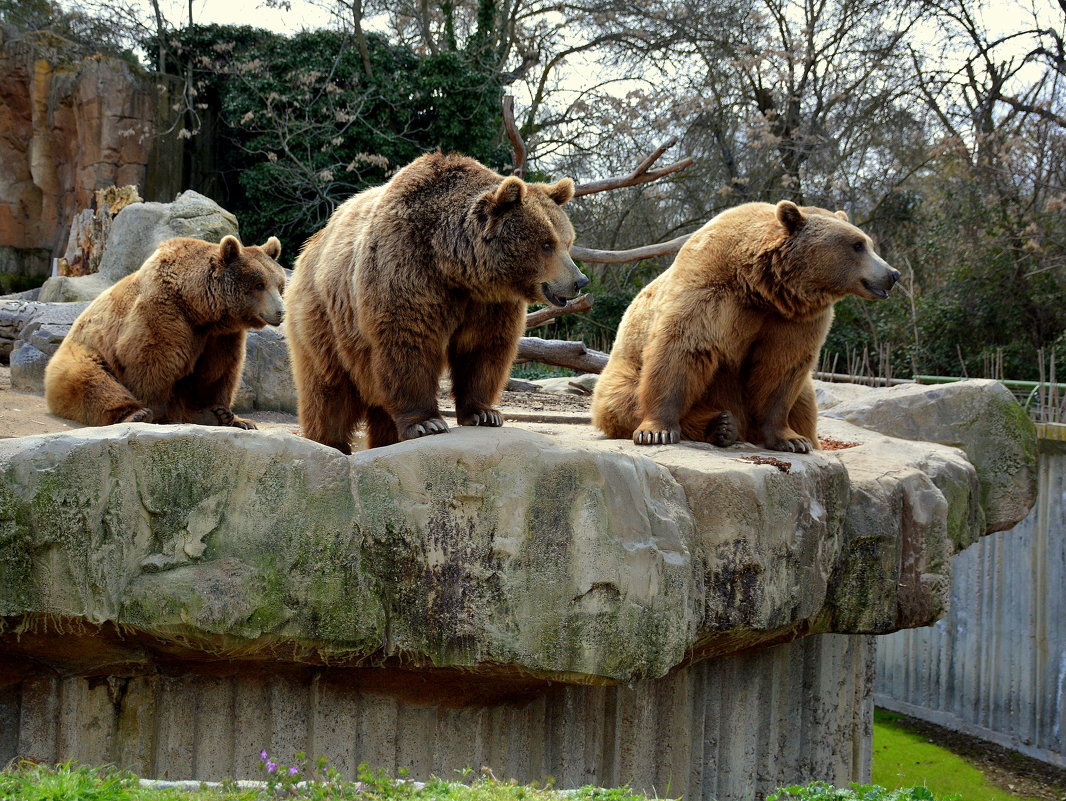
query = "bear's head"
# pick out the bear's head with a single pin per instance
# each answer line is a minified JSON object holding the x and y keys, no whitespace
{"x":822,"y":257}
{"x":525,"y":240}
{"x":254,"y":281}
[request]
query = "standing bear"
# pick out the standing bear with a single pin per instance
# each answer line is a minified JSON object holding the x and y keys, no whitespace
{"x":432,"y":269}
{"x":722,"y":344}
{"x":166,"y":343}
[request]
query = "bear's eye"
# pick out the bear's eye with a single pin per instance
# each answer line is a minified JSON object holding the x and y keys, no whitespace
{"x":548,"y":247}
{"x":261,"y":286}
{"x":859,"y":247}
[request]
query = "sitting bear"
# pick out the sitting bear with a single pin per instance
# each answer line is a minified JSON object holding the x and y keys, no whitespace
{"x":166,"y":343}
{"x":432,"y":269}
{"x":723,"y":342}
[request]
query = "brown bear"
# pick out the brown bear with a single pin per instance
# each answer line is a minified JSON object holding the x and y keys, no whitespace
{"x":432,"y":269}
{"x":723,"y":342}
{"x":166,"y":343}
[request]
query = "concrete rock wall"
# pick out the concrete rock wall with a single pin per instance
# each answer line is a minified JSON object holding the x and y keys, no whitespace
{"x":730,"y":729}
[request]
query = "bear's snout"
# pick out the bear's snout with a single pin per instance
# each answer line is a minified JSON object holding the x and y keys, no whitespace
{"x":881,"y":281}
{"x":581,"y":282}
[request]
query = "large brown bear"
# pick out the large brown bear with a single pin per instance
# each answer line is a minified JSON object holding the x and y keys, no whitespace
{"x":723,"y":342}
{"x":432,"y":269}
{"x":166,"y":343}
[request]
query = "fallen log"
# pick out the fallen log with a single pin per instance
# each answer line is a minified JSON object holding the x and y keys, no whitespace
{"x":561,"y":353}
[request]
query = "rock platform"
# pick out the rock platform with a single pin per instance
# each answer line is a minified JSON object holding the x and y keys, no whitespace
{"x":690,"y":620}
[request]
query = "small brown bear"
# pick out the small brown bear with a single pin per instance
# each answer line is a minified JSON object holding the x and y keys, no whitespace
{"x":432,"y":269}
{"x":723,"y":342}
{"x":166,"y":343}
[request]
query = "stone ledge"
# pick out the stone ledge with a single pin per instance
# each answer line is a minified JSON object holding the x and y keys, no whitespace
{"x":541,"y":550}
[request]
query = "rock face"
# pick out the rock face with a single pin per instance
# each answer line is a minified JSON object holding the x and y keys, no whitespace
{"x":66,"y":129}
{"x":135,"y":233}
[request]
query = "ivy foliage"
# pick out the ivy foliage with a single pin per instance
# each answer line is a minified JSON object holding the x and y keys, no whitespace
{"x":282,"y":129}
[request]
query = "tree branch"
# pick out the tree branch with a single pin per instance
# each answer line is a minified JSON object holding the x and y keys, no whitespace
{"x":581,"y":303}
{"x":633,"y":254}
{"x":515,"y":136}
{"x":641,"y":175}
{"x":561,"y":353}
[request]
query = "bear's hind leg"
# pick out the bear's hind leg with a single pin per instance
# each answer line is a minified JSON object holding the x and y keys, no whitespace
{"x":329,"y":410}
{"x":803,"y":417}
{"x":380,"y":428}
{"x":79,"y":388}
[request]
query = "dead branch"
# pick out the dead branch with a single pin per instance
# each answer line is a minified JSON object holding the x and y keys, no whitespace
{"x":515,"y":136}
{"x":581,"y":303}
{"x":641,"y":175}
{"x":561,"y":353}
{"x":633,"y":254}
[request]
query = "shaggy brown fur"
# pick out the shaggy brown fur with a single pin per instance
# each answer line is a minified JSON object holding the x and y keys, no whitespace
{"x":724,"y":341}
{"x":432,"y":269}
{"x":166,"y":343}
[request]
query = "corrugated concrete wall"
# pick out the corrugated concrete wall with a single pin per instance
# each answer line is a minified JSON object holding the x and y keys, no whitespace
{"x":728,"y":729}
{"x":995,"y":666}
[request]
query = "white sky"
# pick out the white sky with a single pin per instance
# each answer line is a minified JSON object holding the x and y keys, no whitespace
{"x":246,"y":12}
{"x":1000,"y":15}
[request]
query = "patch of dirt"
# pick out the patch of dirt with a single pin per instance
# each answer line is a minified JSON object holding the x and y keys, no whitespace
{"x":25,"y":414}
{"x":1018,"y":774}
{"x":780,"y":464}
{"x":830,"y":444}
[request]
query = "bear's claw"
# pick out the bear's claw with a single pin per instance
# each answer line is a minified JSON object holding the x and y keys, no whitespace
{"x":662,"y":437}
{"x":433,"y":425}
{"x":138,"y":416}
{"x":792,"y":445}
{"x":482,"y":417}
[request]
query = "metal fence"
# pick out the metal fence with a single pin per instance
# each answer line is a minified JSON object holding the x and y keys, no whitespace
{"x":995,"y":666}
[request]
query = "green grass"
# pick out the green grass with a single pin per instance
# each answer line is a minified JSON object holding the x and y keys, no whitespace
{"x":903,"y":758}
{"x":29,"y":782}
{"x":906,"y":767}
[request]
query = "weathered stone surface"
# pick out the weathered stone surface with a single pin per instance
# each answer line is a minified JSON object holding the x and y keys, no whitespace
{"x":980,"y":416}
{"x":545,"y":550}
{"x":135,"y":233}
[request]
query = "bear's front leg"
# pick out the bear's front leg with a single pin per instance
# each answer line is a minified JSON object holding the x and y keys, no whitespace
{"x":671,"y":380}
{"x":480,"y":355}
{"x":408,"y":373}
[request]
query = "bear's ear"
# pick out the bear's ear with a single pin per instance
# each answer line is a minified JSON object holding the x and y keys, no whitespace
{"x":789,"y":215}
{"x":561,"y":191}
{"x":272,"y":247}
{"x":843,"y":215}
{"x":508,"y":195}
{"x":229,"y":249}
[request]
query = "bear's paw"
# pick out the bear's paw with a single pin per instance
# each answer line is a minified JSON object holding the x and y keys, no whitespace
{"x":481,"y":417}
{"x":423,"y":428}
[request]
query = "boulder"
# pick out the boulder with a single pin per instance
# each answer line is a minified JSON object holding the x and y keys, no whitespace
{"x":39,"y":338}
{"x":980,"y":416}
{"x":135,"y":233}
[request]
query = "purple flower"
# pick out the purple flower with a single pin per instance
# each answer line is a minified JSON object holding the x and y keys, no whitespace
{"x":271,"y":766}
{"x":293,"y":770}
{"x":263,"y":755}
